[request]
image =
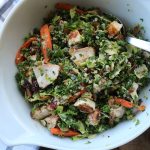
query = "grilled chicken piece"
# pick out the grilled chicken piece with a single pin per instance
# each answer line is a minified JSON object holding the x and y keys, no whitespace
{"x":41,"y":112}
{"x":81,"y":55}
{"x":86,"y":105}
{"x":74,"y":37}
{"x":133,"y":90}
{"x":74,"y":97}
{"x":94,"y":117}
{"x":114,"y":28}
{"x":117,"y":112}
{"x":46,"y":74}
{"x":50,"y":121}
{"x":141,"y":71}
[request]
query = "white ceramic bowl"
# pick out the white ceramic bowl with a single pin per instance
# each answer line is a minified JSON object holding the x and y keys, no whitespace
{"x":16,"y":126}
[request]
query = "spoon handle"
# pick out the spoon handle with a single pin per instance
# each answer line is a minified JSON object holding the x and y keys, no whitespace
{"x":139,"y":43}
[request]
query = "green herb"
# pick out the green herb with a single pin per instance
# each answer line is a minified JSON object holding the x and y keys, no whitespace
{"x":142,"y":19}
{"x":72,"y":13}
{"x":106,"y":109}
{"x":115,"y":69}
{"x":88,"y":142}
{"x":59,"y":109}
{"x":136,"y":121}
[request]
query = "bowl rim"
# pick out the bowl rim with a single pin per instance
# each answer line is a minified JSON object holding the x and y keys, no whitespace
{"x":15,"y":143}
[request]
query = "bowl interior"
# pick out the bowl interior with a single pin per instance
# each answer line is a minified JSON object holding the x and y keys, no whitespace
{"x":26,"y":16}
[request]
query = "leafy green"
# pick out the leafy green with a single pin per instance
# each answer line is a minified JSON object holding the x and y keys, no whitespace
{"x":116,"y":69}
{"x":59,"y":109}
{"x":72,"y":13}
{"x":68,"y":118}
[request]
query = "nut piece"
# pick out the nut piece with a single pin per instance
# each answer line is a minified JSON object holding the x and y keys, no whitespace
{"x":114,"y":28}
{"x":74,"y":37}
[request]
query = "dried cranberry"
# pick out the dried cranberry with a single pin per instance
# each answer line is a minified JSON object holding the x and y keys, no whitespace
{"x":35,"y":86}
{"x":27,"y":84}
{"x":27,"y":87}
{"x":53,"y":104}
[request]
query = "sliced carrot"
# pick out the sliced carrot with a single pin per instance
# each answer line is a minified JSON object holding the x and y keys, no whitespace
{"x":141,"y":108}
{"x":66,"y":6}
{"x":19,"y":56}
{"x":124,"y":103}
{"x":57,"y":131}
{"x":77,"y":95}
{"x":46,"y":41}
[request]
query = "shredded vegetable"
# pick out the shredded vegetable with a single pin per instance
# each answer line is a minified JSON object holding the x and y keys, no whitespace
{"x":79,"y":74}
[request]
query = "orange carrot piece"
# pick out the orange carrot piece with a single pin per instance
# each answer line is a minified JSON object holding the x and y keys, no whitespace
{"x":19,"y":56}
{"x":57,"y":131}
{"x":66,"y":6}
{"x":79,"y":11}
{"x":78,"y":94}
{"x":46,"y":41}
{"x":141,"y":108}
{"x":124,"y":103}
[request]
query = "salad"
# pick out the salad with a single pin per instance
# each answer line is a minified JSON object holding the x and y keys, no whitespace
{"x":79,"y":74}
